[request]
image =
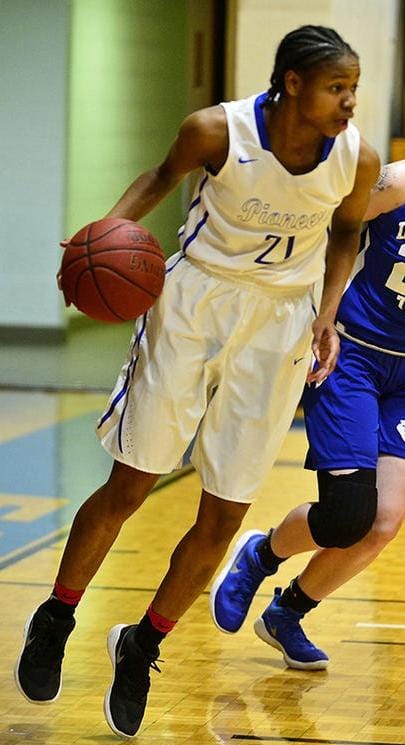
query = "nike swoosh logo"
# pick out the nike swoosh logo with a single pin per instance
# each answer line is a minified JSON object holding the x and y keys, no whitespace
{"x":247,"y":160}
{"x":120,"y":656}
{"x":298,"y":360}
{"x":29,"y":641}
{"x":234,"y":568}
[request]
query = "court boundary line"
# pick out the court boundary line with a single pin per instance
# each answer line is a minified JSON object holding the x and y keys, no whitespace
{"x":371,"y":641}
{"x":114,"y":588}
{"x":13,"y":557}
{"x":329,"y":741}
{"x":32,"y":548}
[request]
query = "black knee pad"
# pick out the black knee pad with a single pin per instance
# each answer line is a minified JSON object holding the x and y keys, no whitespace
{"x":346,"y":509}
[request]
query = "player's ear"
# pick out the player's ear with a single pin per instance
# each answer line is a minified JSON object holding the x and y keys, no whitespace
{"x":292,"y":83}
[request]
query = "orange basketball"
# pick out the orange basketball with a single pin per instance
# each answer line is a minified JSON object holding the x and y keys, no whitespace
{"x":113,"y":270}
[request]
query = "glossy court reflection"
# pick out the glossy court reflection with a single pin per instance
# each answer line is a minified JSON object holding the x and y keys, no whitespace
{"x":214,"y":688}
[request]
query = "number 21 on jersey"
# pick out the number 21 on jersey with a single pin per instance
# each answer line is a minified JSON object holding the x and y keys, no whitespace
{"x":286,"y":244}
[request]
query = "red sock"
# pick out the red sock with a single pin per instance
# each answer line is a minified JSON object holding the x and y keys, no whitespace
{"x":66,"y":595}
{"x":162,"y":624}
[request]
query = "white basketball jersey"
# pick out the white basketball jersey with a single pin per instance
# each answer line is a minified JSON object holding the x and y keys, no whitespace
{"x":256,"y":221}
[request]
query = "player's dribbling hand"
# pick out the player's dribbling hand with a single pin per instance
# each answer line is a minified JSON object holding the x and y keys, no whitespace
{"x":325,"y":346}
{"x":63,"y":244}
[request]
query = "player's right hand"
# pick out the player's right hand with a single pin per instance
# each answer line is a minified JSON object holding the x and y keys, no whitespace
{"x":325,"y":347}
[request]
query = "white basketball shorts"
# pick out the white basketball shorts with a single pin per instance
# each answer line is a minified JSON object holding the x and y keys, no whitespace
{"x":217,"y":364}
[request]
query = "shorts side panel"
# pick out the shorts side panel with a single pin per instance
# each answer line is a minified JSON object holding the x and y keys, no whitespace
{"x":160,"y":395}
{"x":255,"y":402}
{"x":392,"y":410}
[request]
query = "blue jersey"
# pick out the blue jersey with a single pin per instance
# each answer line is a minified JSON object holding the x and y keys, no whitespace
{"x":358,"y":413}
{"x":372,"y":309}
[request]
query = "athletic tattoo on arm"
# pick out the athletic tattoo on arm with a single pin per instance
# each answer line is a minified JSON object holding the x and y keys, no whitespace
{"x":389,"y":191}
{"x":384,"y":181}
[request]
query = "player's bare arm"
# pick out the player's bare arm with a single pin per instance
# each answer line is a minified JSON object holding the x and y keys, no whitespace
{"x":202,"y":140}
{"x":388,"y":193}
{"x":340,"y":255}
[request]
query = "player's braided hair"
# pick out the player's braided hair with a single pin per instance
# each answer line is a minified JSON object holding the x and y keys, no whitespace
{"x":303,"y":48}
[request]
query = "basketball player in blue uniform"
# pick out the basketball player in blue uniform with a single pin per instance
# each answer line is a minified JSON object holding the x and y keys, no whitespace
{"x":355,"y":423}
{"x":221,"y":359}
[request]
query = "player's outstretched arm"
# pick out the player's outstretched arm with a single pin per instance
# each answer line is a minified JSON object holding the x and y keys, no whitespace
{"x":341,"y":252}
{"x":202,"y":140}
{"x":389,"y":191}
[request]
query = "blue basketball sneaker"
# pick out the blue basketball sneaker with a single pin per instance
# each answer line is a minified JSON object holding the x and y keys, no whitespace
{"x":235,"y":587}
{"x":280,"y":627}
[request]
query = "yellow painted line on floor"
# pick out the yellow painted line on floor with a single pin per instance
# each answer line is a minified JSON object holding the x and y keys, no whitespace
{"x":25,"y":508}
{"x":27,"y":547}
{"x":24,"y":413}
{"x":380,"y":625}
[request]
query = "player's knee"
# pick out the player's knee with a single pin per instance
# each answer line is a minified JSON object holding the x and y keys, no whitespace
{"x":384,"y":530}
{"x":219,"y":520}
{"x":223,"y":532}
{"x":346,"y":509}
{"x":127,"y":488}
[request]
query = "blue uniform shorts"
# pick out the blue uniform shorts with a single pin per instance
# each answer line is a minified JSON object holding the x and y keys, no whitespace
{"x":358,"y":412}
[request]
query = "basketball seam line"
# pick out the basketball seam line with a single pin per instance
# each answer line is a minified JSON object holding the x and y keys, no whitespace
{"x":96,"y":284}
{"x":118,"y":274}
{"x":110,"y":250}
{"x":135,"y":247}
{"x":88,"y":241}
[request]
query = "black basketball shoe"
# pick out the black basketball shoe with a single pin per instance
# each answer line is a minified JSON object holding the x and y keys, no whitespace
{"x":125,"y":700}
{"x":38,"y":672}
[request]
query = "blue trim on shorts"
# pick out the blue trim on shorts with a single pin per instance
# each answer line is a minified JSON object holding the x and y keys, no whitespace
{"x":130,"y":371}
{"x":121,"y":422}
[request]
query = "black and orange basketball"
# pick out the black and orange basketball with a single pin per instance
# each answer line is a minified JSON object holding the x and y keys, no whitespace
{"x":113,"y":270}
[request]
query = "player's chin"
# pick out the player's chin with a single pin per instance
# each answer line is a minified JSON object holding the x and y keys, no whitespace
{"x":340,"y":125}
{"x":334,"y":127}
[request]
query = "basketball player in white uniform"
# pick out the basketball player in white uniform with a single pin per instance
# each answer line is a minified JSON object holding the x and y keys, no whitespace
{"x":222,"y":357}
{"x":251,"y":250}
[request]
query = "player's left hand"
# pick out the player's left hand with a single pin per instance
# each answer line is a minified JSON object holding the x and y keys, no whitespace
{"x":62,"y":244}
{"x":325,"y":346}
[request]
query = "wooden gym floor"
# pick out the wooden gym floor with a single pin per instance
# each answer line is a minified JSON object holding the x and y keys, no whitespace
{"x":214,"y":688}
